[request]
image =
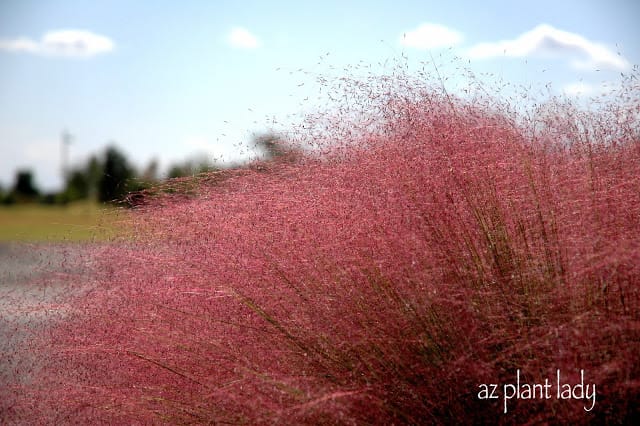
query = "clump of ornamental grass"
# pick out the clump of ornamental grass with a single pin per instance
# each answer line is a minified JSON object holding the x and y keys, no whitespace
{"x":428,"y":246}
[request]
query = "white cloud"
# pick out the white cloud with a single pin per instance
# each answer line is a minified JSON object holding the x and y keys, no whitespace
{"x":19,"y":45}
{"x":67,"y":43}
{"x":76,"y":43}
{"x":545,"y":40}
{"x":241,"y":38}
{"x":430,"y":36}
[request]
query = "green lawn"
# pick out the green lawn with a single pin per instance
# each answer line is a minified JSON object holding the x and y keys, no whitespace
{"x":80,"y":221}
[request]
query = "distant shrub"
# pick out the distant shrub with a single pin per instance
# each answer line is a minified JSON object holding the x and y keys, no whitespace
{"x":117,"y":174}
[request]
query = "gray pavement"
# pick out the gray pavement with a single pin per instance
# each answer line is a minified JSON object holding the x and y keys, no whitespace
{"x":36,"y":284}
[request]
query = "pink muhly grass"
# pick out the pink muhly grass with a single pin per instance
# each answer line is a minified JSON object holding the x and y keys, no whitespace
{"x":444,"y":245}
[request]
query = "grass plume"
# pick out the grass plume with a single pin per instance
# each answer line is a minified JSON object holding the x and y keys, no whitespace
{"x":438,"y":243}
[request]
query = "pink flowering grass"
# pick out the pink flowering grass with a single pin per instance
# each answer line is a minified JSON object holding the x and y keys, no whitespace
{"x":438,"y":245}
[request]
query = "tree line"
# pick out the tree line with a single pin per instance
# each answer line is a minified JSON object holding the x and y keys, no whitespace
{"x":108,"y":178}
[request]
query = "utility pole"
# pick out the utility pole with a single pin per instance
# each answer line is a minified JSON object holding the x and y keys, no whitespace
{"x":65,"y":141}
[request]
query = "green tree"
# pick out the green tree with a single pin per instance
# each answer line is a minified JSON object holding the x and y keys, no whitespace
{"x":77,"y":185}
{"x":24,"y":188}
{"x":82,"y":182}
{"x":116,"y":176}
{"x":3,"y":194}
{"x":275,"y":148}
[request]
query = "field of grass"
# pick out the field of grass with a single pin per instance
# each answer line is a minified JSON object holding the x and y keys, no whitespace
{"x":80,"y":221}
{"x":433,"y":257}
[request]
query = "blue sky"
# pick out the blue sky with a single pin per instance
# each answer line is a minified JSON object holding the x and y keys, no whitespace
{"x":172,"y":80}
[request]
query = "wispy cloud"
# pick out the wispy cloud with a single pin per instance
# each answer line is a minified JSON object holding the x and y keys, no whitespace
{"x":545,"y":40}
{"x":66,"y":43}
{"x":241,"y":38}
{"x":21,"y":44}
{"x":431,"y":36}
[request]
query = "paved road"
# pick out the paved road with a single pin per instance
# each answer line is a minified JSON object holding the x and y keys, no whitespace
{"x":35,"y":283}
